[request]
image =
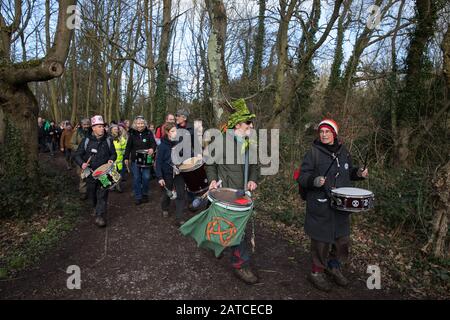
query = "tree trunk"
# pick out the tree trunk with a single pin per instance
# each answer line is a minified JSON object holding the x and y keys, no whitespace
{"x":18,"y":104}
{"x":255,"y":74}
{"x":335,"y":79}
{"x":411,"y":99}
{"x":162,"y":65}
{"x":216,"y":58}
{"x":74,"y":68}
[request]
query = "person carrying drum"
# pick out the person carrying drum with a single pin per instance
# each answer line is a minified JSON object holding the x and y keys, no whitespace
{"x":232,"y":175}
{"x":120,"y":143}
{"x":141,"y":143}
{"x":94,"y":151}
{"x":165,"y":174}
{"x":327,"y":165}
{"x":81,"y":133}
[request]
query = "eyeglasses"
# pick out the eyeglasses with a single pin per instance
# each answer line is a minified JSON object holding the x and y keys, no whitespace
{"x":249,"y":122}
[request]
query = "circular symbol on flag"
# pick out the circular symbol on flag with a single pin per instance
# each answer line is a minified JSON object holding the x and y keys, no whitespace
{"x":222,"y":229}
{"x":355,"y":203}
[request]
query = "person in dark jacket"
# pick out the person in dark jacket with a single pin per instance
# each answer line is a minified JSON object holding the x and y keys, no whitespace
{"x":51,"y":133}
{"x":165,"y":174}
{"x":140,"y":138}
{"x":232,"y":175}
{"x":329,"y":229}
{"x":79,"y":134}
{"x":41,"y":135}
{"x":95,"y":153}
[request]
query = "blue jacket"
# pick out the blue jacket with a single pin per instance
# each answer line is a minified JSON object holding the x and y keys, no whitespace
{"x":163,"y":165}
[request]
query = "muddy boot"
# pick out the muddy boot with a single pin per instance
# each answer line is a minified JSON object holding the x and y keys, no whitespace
{"x":100,"y":221}
{"x":83,"y":196}
{"x":319,"y":281}
{"x":337,"y":276}
{"x":165,"y":214}
{"x":246,"y":275}
{"x":144,"y":198}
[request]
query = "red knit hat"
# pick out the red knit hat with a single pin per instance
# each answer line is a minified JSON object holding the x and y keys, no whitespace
{"x":330,"y":124}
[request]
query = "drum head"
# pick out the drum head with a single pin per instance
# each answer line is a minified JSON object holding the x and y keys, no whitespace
{"x":190,"y":164}
{"x":105,"y":168}
{"x":352,"y":192}
{"x":228,"y":196}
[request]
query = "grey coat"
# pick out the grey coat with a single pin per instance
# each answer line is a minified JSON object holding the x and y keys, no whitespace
{"x":323,"y":223}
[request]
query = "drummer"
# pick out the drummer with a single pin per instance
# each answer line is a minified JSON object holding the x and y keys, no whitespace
{"x":328,"y":228}
{"x":140,"y":138}
{"x":232,"y":176}
{"x":165,"y":174}
{"x":95,"y":152}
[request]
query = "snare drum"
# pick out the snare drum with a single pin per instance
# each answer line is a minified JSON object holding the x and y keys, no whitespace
{"x":107,"y":175}
{"x":352,"y":199}
{"x":143,"y":159}
{"x":194,"y":174}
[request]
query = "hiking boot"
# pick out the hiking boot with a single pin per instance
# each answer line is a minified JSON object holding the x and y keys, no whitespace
{"x":165,"y":214}
{"x":118,"y":188}
{"x":319,"y":281}
{"x":138,"y":202}
{"x":337,"y":276}
{"x":181,"y":222}
{"x":100,"y":221}
{"x":246,"y":275}
{"x":93,"y":213}
{"x":144,"y":199}
{"x":83,"y":196}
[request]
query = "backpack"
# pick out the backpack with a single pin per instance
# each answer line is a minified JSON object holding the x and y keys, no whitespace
{"x":297,"y":172}
{"x":86,"y":141}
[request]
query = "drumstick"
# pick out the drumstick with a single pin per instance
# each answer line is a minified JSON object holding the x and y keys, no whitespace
{"x":207,"y":192}
{"x":329,"y":167}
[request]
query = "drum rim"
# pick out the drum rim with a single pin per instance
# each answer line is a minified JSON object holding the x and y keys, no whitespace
{"x":229,"y":206}
{"x":199,"y":191}
{"x":109,"y":168}
{"x":334,"y":192}
{"x":144,"y":151}
{"x":355,"y":210}
{"x":194,"y":167}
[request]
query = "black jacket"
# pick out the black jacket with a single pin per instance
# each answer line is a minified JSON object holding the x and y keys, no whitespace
{"x":51,"y":134}
{"x":137,"y":141}
{"x":105,"y":151}
{"x":323,"y":223}
{"x":164,"y":164}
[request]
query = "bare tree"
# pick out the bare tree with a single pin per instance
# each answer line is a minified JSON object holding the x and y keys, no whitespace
{"x":17,"y":102}
{"x":216,"y":57}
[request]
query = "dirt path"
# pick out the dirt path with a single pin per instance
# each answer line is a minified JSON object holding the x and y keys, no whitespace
{"x":141,"y":255}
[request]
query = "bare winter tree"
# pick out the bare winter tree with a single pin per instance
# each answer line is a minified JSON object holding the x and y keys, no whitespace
{"x":18,"y":105}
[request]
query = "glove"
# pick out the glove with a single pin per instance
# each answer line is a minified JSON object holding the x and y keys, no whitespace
{"x":318,"y":182}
